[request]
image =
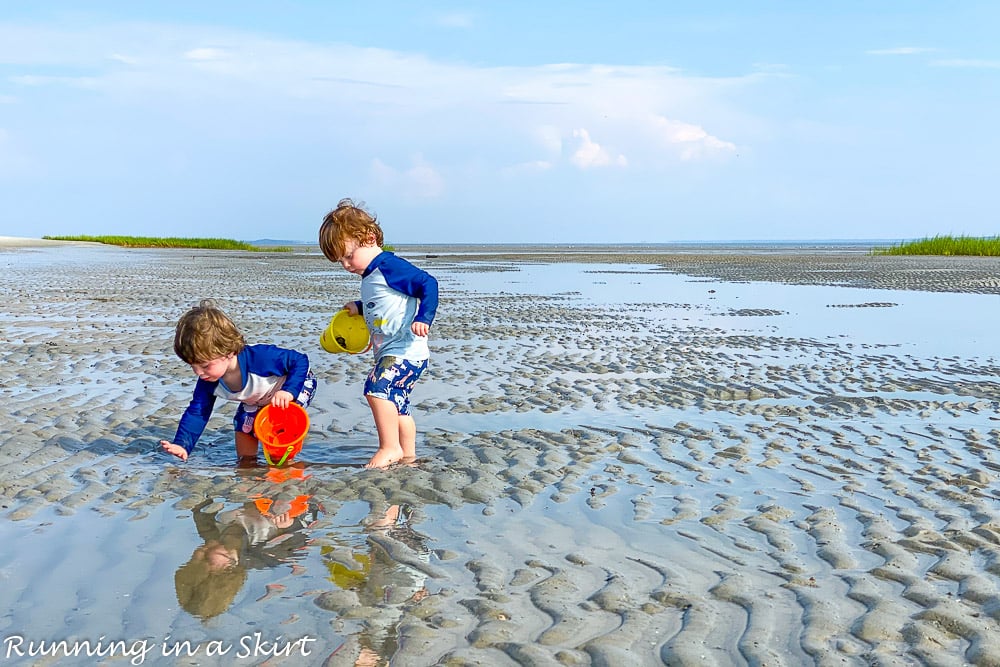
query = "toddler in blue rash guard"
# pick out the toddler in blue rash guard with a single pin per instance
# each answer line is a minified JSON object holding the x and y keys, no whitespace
{"x":398,"y":302}
{"x":228,"y":368}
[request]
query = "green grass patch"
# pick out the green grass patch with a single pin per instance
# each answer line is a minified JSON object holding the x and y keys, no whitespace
{"x":170,"y":242}
{"x":981,"y":246}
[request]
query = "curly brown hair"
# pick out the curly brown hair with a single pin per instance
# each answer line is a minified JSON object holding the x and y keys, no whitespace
{"x":348,"y":222}
{"x":205,"y":590}
{"x":205,"y":333}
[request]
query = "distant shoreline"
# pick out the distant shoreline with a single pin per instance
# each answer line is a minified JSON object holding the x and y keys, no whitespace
{"x":553,"y":250}
{"x":678,"y":248}
{"x":668,"y":246}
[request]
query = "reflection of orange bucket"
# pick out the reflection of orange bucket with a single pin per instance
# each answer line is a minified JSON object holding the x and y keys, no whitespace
{"x":281,"y":431}
{"x":346,"y":333}
{"x":298,"y":505}
{"x":281,"y":475}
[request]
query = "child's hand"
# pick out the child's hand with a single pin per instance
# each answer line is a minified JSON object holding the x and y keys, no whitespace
{"x":176,"y":450}
{"x":420,"y":328}
{"x":281,"y":399}
{"x":351,"y":307}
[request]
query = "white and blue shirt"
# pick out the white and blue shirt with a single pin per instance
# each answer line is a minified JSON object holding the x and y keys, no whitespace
{"x":394,"y":295}
{"x":264,"y":369}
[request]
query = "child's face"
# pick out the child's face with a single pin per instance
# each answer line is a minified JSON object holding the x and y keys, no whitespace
{"x":357,"y":257}
{"x":213,"y":370}
{"x":217,"y":556}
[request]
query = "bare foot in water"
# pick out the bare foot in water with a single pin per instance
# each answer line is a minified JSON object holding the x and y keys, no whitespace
{"x":385,"y":457}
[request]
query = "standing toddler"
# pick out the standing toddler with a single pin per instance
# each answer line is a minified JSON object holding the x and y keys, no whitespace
{"x":398,"y":302}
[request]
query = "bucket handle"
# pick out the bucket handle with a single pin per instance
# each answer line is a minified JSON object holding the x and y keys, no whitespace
{"x":267,"y":456}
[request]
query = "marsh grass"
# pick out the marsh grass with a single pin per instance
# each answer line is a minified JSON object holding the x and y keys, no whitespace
{"x":986,"y":246}
{"x":171,"y":242}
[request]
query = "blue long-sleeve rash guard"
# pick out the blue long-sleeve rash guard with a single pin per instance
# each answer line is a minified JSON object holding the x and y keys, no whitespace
{"x":394,"y":294}
{"x":264,"y":370}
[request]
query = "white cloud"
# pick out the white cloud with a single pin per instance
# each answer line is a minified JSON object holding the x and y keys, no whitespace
{"x":900,"y":51}
{"x":636,"y":108}
{"x":418,"y":181}
{"x":550,"y":139}
{"x":970,"y":63}
{"x":227,"y":83}
{"x":592,"y":154}
{"x":531,"y":166}
{"x":30,"y":80}
{"x":206,"y":54}
{"x":692,"y":140}
{"x":125,"y":60}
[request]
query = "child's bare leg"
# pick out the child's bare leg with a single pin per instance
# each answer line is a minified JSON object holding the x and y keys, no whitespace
{"x":387,"y":424}
{"x":408,"y":436}
{"x":387,"y":520}
{"x":246,"y":445}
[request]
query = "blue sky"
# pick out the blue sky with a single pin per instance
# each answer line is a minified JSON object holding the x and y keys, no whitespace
{"x":495,"y":122}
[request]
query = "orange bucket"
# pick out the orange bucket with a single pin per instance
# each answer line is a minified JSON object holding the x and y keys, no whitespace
{"x":281,"y":431}
{"x":297,"y":506}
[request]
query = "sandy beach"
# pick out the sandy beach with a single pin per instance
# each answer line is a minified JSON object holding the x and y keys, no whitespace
{"x":779,"y":457}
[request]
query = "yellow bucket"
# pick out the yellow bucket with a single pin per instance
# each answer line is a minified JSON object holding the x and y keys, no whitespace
{"x":346,"y":333}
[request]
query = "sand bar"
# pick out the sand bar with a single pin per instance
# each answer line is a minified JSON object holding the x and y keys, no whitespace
{"x":683,"y":459}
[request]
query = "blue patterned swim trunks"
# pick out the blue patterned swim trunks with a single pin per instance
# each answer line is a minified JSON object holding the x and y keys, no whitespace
{"x":392,"y":379}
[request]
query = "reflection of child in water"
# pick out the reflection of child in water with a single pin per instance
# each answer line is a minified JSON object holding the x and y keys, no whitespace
{"x":237,"y":540}
{"x":384,"y":583}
